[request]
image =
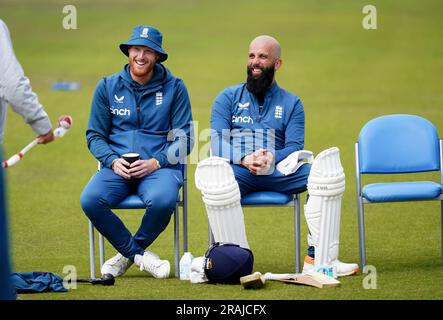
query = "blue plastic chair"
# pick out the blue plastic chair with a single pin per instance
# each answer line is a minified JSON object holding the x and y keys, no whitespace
{"x":274,"y":199}
{"x":395,"y":144}
{"x":133,"y":201}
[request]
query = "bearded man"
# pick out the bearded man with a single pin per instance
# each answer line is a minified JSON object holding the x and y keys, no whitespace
{"x":142,"y":109}
{"x":254,"y":126}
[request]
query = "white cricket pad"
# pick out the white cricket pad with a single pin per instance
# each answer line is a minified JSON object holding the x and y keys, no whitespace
{"x":326,"y":185}
{"x":215,"y":179}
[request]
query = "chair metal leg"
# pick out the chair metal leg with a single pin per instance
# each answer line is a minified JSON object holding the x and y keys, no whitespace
{"x":361,"y":232}
{"x":176,"y":242}
{"x":297,"y":232}
{"x":185,"y":220}
{"x":101,"y":246}
{"x":91,"y":251}
{"x":360,"y":209}
{"x":441,"y":232}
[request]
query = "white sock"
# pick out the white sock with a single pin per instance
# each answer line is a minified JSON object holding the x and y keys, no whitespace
{"x":138,"y":259}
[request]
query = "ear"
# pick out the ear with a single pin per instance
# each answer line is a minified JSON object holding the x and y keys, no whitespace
{"x":278,"y":64}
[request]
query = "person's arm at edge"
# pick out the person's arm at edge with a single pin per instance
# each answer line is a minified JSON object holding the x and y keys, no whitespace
{"x":18,"y":92}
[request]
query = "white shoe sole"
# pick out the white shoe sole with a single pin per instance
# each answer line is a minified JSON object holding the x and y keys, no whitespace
{"x":163,"y":275}
{"x":110,"y":270}
{"x":309,"y":267}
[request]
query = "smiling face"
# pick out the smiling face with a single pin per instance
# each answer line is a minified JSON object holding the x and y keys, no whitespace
{"x":263,"y":60}
{"x":264,"y":53}
{"x":141,"y":63}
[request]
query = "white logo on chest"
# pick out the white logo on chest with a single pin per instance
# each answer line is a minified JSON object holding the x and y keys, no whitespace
{"x":243,"y":105}
{"x":158,"y":98}
{"x":242,"y":119}
{"x":120,"y":112}
{"x":118,"y":100}
{"x":278,"y":112}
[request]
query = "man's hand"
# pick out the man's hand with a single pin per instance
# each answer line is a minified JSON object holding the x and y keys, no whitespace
{"x":120,"y":167}
{"x":259,"y":162}
{"x":141,"y":168}
{"x":46,"y":138}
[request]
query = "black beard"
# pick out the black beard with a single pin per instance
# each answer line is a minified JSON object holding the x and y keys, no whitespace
{"x":259,"y":85}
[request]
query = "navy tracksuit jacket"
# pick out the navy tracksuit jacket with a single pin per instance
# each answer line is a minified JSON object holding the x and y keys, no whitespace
{"x":153,"y":120}
{"x":240,"y":125}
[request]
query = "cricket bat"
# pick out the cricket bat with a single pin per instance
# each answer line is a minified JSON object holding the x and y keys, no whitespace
{"x":314,"y":279}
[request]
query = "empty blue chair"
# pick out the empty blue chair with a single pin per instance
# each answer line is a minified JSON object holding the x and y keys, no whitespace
{"x":395,"y":144}
{"x":133,"y":201}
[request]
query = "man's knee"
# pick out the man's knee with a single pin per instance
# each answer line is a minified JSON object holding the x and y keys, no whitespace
{"x":162,"y":202}
{"x":305,"y":171}
{"x":244,"y":178}
{"x":91,"y":201}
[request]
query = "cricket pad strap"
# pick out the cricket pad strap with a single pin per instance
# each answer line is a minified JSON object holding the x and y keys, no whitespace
{"x":326,"y":177}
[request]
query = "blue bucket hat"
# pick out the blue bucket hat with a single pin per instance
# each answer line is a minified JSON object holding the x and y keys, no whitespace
{"x":146,"y":36}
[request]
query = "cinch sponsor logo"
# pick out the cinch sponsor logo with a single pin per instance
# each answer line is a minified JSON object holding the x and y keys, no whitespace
{"x":244,"y":119}
{"x":121,"y":112}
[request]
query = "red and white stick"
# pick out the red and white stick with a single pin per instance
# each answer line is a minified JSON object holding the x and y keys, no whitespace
{"x":64,"y":124}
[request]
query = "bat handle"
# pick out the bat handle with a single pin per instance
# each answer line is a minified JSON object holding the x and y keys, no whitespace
{"x":13,"y":160}
{"x":277,"y":276}
{"x":17,"y":157}
{"x":29,"y":146}
{"x":60,"y":132}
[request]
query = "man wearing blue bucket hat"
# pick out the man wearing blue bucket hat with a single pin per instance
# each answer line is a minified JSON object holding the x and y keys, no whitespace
{"x":142,"y":109}
{"x":146,"y":36}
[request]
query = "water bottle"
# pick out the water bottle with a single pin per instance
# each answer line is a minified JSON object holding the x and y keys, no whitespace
{"x":73,"y":86}
{"x":327,"y":270}
{"x":65,"y":86}
{"x":185,"y":266}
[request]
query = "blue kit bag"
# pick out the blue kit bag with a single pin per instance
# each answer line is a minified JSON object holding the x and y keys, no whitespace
{"x":227,"y":263}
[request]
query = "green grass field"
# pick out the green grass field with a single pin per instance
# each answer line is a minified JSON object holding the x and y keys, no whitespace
{"x":345,"y":76}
